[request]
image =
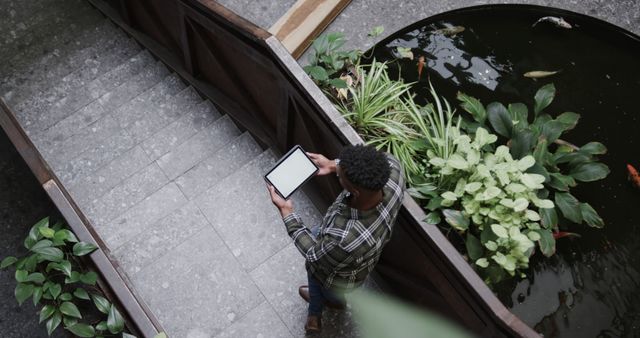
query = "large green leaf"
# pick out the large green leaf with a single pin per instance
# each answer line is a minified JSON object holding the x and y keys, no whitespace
{"x":46,"y":312}
{"x":543,"y":98}
{"x":552,"y":130}
{"x":36,"y":277}
{"x":456,"y":219}
{"x":590,"y":216}
{"x":474,"y":247}
{"x":569,"y":206}
{"x":37,"y":295}
{"x":23,"y":291}
{"x":561,"y":182}
{"x":55,"y":290}
{"x":45,"y":243}
{"x":115,"y":322}
{"x":317,"y":73}
{"x":47,"y":232}
{"x":8,"y":261}
{"x":102,"y":304}
{"x":50,"y":254}
{"x":53,"y":322}
{"x":81,"y":293}
{"x":83,"y":248}
{"x":521,"y":143}
{"x":65,"y":235}
{"x":520,"y":114}
{"x":64,"y":266}
{"x":34,"y":233}
{"x":89,"y":278}
{"x":549,"y":217}
{"x":546,"y":242}
{"x":21,"y":276}
{"x":82,"y":330}
{"x":70,"y":309}
{"x":473,"y":106}
{"x":160,"y":335}
{"x":593,"y":148}
{"x":569,"y":119}
{"x":499,"y":119}
{"x":589,"y":172}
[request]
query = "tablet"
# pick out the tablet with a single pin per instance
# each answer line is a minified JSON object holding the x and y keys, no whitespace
{"x":291,"y":172}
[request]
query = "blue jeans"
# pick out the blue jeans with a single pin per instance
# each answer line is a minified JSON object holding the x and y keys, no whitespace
{"x":318,"y":294}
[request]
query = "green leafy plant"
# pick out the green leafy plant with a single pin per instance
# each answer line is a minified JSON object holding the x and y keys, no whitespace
{"x":494,"y":204}
{"x":561,"y":163}
{"x":327,"y":61}
{"x":51,"y":275}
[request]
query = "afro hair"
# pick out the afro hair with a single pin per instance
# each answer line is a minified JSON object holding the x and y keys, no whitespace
{"x":365,"y":167}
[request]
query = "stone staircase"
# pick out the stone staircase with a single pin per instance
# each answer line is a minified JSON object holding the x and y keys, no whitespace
{"x":171,"y":184}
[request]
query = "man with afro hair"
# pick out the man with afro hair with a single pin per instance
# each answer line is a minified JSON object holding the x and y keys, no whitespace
{"x":342,"y":250}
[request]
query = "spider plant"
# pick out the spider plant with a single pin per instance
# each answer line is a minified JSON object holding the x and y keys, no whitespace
{"x":372,"y":99}
{"x":435,"y":125}
{"x":375,"y":111}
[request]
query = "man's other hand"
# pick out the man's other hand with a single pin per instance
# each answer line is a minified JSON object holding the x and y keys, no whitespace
{"x":284,"y":206}
{"x":325,"y":165}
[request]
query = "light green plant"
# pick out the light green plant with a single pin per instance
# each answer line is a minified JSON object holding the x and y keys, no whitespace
{"x":51,"y":275}
{"x":496,"y":200}
{"x":561,"y":163}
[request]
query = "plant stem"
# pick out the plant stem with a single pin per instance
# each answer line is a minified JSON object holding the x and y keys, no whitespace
{"x":565,"y":143}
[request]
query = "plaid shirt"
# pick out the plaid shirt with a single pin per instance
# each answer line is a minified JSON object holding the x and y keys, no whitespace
{"x":350,"y":241}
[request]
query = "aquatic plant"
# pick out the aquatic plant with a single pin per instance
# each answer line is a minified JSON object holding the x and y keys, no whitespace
{"x":561,"y":163}
{"x":52,"y":276}
{"x":493,"y":204}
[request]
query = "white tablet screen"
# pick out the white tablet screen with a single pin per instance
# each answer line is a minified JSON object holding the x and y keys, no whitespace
{"x":291,"y":173}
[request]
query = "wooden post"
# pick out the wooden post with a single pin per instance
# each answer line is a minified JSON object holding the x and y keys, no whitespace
{"x":304,"y":21}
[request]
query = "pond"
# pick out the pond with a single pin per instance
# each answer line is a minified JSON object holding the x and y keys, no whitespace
{"x":23,"y":202}
{"x":591,"y":287}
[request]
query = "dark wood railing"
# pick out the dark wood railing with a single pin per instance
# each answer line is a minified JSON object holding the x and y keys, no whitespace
{"x":250,"y":76}
{"x":139,"y":319}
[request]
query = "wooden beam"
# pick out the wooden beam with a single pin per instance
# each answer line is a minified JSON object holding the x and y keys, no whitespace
{"x":304,"y":21}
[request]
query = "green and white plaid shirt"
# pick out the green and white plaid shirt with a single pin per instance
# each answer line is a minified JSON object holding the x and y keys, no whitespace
{"x":350,"y":241}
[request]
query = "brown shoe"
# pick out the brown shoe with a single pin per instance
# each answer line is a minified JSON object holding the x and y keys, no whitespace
{"x":313,"y":325}
{"x":303,"y":291}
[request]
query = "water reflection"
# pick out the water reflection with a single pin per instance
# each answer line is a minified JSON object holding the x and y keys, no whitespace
{"x":445,"y":55}
{"x":591,"y":287}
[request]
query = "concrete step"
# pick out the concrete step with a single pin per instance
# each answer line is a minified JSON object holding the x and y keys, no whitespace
{"x":151,"y":75}
{"x":61,"y":62}
{"x":18,"y":17}
{"x":226,"y":161}
{"x":240,"y":209}
{"x":78,"y":23}
{"x":143,"y":249}
{"x":94,"y":79}
{"x":135,"y":110}
{"x":94,"y":158}
{"x":198,"y":289}
{"x":101,"y":132}
{"x":154,"y":120}
{"x":88,"y":189}
{"x":88,"y":138}
{"x":126,"y":194}
{"x":53,"y":21}
{"x":141,"y":217}
{"x":193,"y":121}
{"x":198,"y":147}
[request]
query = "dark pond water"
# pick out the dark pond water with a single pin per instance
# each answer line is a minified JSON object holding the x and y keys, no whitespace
{"x":591,"y":287}
{"x":22,"y":203}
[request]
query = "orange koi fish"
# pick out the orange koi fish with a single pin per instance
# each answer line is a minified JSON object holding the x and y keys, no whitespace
{"x":421,"y":64}
{"x":634,"y":177}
